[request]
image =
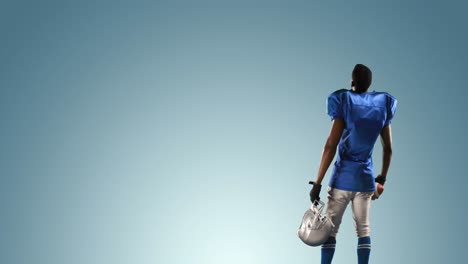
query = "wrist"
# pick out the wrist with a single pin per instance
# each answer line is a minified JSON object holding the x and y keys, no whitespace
{"x":315,"y":183}
{"x":381,"y":179}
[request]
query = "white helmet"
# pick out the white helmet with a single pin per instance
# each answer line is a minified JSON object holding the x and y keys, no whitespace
{"x":315,"y":228}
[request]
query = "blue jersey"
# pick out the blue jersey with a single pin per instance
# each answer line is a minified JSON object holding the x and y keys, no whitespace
{"x":364,"y":115}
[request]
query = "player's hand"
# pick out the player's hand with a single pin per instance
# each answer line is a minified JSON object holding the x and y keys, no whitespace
{"x":315,"y":192}
{"x":379,"y":188}
{"x":380,"y":179}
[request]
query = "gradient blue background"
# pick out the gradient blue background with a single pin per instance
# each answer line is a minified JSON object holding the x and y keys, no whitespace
{"x":182,"y":132}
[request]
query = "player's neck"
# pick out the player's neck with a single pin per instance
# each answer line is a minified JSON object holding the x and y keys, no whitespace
{"x":353,"y":89}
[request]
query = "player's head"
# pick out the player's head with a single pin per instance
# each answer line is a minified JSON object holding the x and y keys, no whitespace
{"x":362,"y":78}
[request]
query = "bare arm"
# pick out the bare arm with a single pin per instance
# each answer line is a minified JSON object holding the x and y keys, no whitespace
{"x":386,"y":139}
{"x":329,"y":149}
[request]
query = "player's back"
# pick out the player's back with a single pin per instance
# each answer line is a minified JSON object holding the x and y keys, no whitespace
{"x":364,"y":115}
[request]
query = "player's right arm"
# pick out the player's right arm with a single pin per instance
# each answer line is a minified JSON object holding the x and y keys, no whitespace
{"x":386,"y":139}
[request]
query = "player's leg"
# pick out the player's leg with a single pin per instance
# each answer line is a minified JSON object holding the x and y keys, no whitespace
{"x":361,"y":207}
{"x":336,"y":206}
{"x":328,"y":250}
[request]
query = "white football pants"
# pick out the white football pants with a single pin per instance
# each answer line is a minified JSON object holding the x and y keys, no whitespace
{"x":337,"y":202}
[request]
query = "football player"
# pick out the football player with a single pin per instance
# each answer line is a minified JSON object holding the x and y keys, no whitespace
{"x":358,"y":118}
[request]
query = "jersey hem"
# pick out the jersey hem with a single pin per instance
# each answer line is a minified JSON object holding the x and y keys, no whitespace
{"x":352,"y":189}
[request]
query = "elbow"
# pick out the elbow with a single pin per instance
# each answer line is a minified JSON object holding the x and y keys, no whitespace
{"x":330,"y":146}
{"x":388,"y":150}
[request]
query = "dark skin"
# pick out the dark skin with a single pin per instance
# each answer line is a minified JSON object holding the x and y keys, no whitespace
{"x":333,"y":139}
{"x":386,"y":139}
{"x":329,"y":149}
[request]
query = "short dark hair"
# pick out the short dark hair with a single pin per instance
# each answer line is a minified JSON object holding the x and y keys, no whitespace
{"x":362,"y":78}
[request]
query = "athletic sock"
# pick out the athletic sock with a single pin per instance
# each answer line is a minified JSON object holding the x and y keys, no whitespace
{"x":363,"y":250}
{"x":328,"y":249}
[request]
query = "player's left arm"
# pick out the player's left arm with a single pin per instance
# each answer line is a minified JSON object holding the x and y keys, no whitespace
{"x":329,"y":149}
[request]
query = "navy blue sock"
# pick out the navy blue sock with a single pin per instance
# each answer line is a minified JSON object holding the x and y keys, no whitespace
{"x":363,"y":250}
{"x":328,"y":249}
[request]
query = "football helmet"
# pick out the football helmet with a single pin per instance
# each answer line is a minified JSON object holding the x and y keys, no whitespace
{"x":315,"y":228}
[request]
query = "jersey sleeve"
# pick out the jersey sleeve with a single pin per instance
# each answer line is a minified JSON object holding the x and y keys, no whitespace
{"x":391,"y":108}
{"x":335,"y":105}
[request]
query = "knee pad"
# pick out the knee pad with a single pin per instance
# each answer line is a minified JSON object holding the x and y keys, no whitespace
{"x":363,"y":231}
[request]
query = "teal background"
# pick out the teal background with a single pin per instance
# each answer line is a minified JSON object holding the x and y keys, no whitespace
{"x":183,"y":132}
